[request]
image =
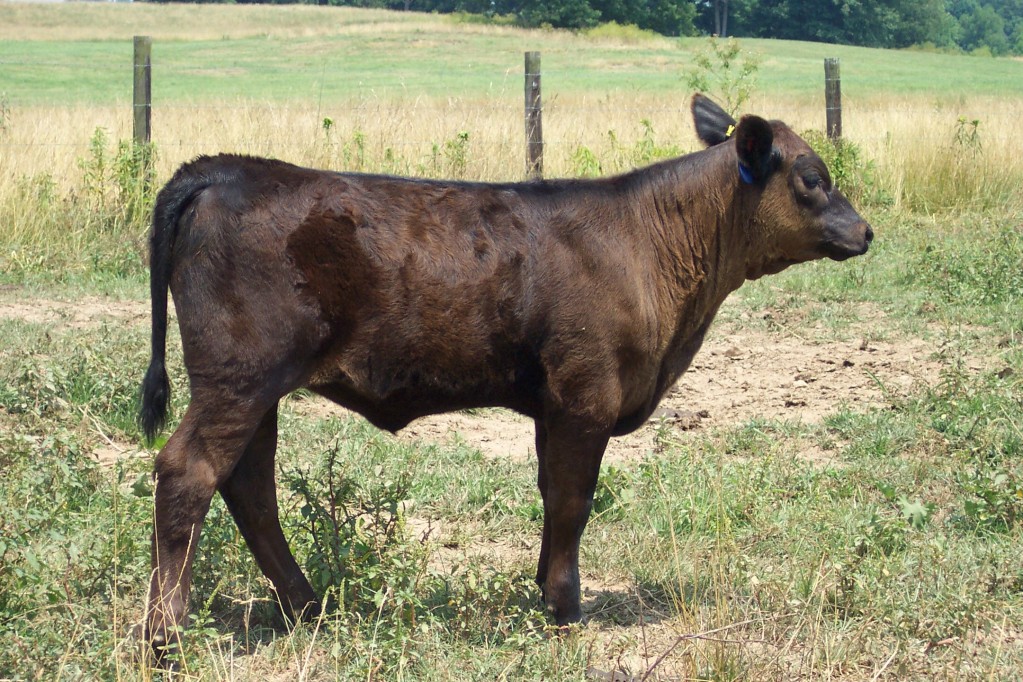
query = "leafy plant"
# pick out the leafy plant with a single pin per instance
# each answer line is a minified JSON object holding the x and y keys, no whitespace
{"x":487,"y":606}
{"x":353,"y":152}
{"x":613,"y":494}
{"x":995,"y":499}
{"x":983,"y":269}
{"x":69,"y":548}
{"x":585,"y":163}
{"x":623,"y":157}
{"x":351,"y":526}
{"x":856,"y":176}
{"x":89,"y":385}
{"x":648,"y":150}
{"x":725,"y":72}
{"x":966,"y":136}
{"x":456,"y":154}
{"x":915,"y":512}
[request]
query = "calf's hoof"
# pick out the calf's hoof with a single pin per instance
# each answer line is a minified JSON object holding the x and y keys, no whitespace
{"x":566,"y":615}
{"x":161,"y":654}
{"x":310,"y":611}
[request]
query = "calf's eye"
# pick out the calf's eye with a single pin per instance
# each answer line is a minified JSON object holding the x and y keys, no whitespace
{"x":812,"y":180}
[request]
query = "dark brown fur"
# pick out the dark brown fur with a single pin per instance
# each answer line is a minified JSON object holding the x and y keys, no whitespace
{"x":576,"y":303}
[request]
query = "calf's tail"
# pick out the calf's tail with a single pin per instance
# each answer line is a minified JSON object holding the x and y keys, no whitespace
{"x":171,"y":204}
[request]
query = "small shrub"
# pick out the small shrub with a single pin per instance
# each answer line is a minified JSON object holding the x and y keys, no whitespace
{"x":723,"y":71}
{"x":351,"y":522}
{"x":488,"y":607}
{"x":585,"y":163}
{"x":622,"y":157}
{"x":456,"y":154}
{"x":451,"y":158}
{"x":353,"y":152}
{"x":613,"y":494}
{"x":629,"y":34}
{"x":855,"y":176}
{"x":647,"y":149}
{"x":966,"y":136}
{"x":995,"y":498}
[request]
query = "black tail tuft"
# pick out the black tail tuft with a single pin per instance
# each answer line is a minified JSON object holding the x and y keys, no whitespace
{"x":155,"y":399}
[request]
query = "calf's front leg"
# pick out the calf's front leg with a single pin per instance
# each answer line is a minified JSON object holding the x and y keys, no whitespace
{"x":569,"y":463}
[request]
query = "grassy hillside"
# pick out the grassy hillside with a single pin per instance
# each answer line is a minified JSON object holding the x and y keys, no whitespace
{"x":78,"y":54}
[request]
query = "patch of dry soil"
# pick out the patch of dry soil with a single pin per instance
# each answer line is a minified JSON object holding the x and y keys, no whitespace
{"x":85,"y":312}
{"x":738,"y":375}
{"x":735,"y":377}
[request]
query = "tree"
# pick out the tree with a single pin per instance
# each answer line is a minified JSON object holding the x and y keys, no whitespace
{"x":895,"y":23}
{"x":725,"y":17}
{"x":1011,"y":12}
{"x":984,"y":27}
{"x":559,"y":13}
{"x":720,"y":8}
{"x":926,"y":22}
{"x":671,"y":17}
{"x":667,"y":17}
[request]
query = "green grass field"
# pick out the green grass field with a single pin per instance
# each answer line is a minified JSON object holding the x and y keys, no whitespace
{"x":868,"y":529}
{"x":333,"y":54}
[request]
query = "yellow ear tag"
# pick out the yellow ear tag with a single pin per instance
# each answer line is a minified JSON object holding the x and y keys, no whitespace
{"x":731,"y":129}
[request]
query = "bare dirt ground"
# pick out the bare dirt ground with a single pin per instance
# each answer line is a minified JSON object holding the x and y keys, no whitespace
{"x":81,"y":314}
{"x":737,"y":376}
{"x":740,"y":374}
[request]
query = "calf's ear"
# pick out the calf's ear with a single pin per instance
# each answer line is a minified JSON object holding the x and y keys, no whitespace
{"x":713,"y":124}
{"x":754,"y":145}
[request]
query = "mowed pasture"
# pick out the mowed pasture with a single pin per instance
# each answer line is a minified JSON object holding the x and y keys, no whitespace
{"x":834,"y":491}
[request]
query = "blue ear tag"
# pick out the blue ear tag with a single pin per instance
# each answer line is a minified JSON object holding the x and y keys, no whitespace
{"x":746,"y":174}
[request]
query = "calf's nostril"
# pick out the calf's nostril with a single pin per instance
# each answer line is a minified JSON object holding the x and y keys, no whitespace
{"x":869,"y":234}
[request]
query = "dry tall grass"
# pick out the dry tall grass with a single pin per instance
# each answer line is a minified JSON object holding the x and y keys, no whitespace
{"x":910,"y":140}
{"x":927,"y":155}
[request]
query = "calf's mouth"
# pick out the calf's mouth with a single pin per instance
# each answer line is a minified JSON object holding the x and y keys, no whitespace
{"x":850,"y":243}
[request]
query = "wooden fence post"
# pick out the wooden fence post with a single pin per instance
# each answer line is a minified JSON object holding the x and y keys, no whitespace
{"x":142,"y":90}
{"x":534,"y":119}
{"x":833,"y":97}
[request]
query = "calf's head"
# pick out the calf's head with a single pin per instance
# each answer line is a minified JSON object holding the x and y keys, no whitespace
{"x":796,"y":214}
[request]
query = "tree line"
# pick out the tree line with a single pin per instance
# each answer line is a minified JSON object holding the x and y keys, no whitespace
{"x":984,"y":26}
{"x":994,"y":26}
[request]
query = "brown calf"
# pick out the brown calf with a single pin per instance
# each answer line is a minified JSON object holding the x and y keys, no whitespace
{"x":576,"y":302}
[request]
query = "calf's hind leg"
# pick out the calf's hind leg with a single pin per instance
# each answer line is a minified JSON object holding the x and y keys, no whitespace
{"x":197,"y":459}
{"x":251,"y":496}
